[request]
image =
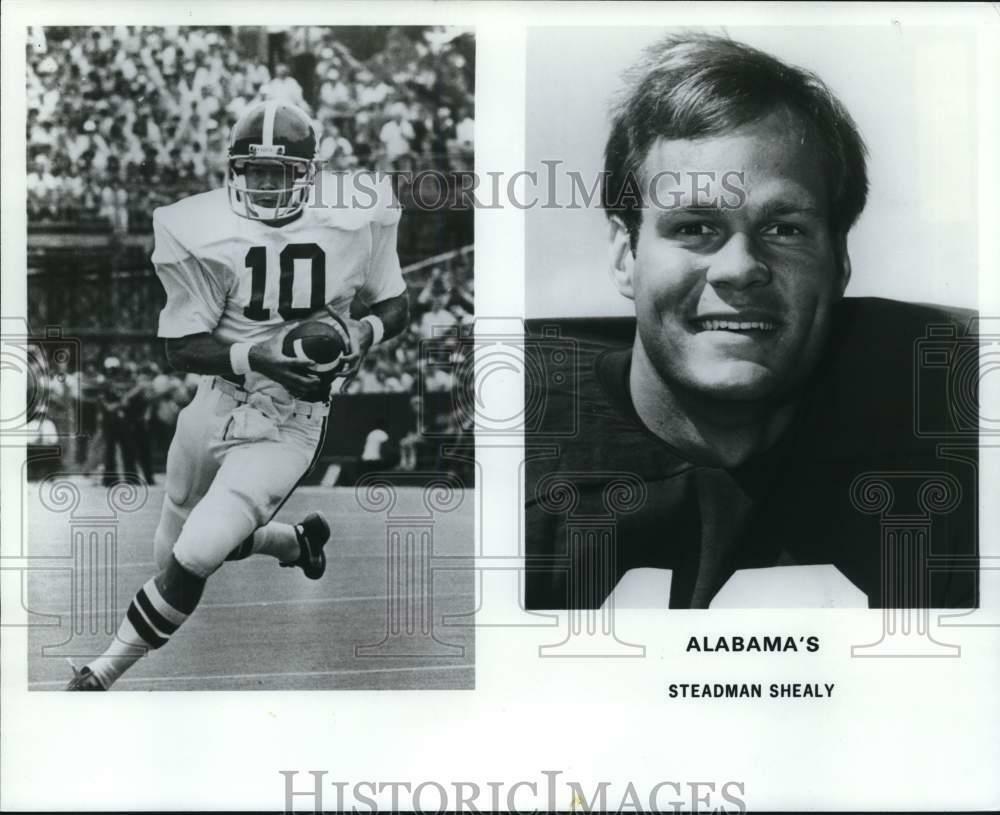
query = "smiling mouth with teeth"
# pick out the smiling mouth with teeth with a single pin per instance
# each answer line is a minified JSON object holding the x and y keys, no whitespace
{"x":736,"y":325}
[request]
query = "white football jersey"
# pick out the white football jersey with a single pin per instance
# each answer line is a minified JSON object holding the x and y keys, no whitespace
{"x":243,"y":280}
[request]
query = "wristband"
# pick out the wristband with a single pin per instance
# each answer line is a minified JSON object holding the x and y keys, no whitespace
{"x":378,"y":328}
{"x":239,"y":357}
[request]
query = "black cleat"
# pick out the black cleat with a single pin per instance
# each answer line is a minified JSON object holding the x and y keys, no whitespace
{"x":84,"y":679}
{"x":312,"y":532}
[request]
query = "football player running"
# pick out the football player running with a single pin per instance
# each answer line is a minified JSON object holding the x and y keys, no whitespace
{"x":241,"y":267}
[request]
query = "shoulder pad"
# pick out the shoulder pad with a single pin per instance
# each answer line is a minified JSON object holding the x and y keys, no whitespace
{"x":196,"y":220}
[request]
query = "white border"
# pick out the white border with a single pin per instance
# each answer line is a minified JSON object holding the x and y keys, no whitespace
{"x":904,"y":734}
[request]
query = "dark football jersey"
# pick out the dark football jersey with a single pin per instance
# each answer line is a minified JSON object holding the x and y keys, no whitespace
{"x":876,"y":474}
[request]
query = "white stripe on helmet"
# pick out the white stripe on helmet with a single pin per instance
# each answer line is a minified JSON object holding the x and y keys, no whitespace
{"x":270,"y":111}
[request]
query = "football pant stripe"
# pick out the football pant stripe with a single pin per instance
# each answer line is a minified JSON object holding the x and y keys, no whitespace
{"x":312,"y":465}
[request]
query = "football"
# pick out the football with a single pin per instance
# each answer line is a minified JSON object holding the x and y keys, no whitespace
{"x":320,"y":343}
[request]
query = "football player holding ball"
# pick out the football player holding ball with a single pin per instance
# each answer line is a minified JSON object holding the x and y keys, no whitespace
{"x":244,"y":267}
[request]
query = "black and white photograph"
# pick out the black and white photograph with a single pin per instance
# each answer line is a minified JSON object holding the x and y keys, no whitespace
{"x":539,"y":406}
{"x":764,"y":269}
{"x":244,"y":332}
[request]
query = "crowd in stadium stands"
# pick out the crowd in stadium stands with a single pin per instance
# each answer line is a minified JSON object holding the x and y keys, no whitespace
{"x":121,"y":120}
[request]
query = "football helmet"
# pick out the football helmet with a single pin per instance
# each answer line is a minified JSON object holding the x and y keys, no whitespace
{"x":272,"y":134}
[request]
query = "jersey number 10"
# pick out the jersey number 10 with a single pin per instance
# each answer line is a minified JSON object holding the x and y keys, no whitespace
{"x":256,"y":261}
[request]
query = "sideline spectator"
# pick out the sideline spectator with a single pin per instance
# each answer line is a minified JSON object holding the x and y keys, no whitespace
{"x":395,"y":136}
{"x":284,"y":87}
{"x":42,"y":452}
{"x":88,"y":452}
{"x":438,"y":321}
{"x":409,"y":445}
{"x":379,"y":453}
{"x":116,"y":438}
{"x":41,"y":430}
{"x":136,"y":418}
{"x":462,"y":148}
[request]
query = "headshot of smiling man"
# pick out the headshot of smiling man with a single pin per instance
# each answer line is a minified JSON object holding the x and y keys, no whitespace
{"x":734,"y":425}
{"x":733,"y":303}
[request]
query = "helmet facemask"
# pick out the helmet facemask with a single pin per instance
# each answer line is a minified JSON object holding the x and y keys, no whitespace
{"x":261,"y":204}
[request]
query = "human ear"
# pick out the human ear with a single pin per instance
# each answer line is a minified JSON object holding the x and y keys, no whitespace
{"x":622,"y":260}
{"x":844,"y":266}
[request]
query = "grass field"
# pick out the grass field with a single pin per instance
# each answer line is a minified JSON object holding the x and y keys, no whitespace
{"x":259,"y":626}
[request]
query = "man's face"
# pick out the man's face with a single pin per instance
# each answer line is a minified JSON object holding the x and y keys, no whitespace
{"x":268,"y":175}
{"x":734,"y":283}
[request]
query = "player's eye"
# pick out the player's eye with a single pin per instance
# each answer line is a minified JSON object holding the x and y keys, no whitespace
{"x":695,"y":229}
{"x":783,"y":230}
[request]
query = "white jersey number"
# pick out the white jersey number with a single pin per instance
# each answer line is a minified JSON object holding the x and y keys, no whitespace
{"x":256,"y":262}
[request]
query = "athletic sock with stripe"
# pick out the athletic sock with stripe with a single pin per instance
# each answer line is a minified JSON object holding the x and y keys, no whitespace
{"x":148,"y":624}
